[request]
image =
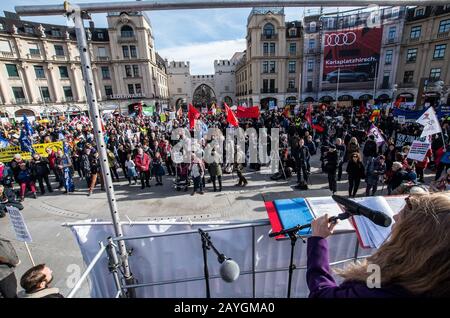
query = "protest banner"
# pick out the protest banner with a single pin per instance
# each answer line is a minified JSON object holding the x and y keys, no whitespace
{"x":7,"y":154}
{"x":403,"y":139}
{"x":20,"y":228}
{"x":418,"y":150}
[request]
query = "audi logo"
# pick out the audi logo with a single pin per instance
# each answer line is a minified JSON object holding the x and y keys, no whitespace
{"x":340,"y":39}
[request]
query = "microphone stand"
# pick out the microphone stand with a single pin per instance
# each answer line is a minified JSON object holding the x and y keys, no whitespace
{"x":206,"y":245}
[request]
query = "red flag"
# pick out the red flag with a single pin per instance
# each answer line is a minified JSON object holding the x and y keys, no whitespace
{"x":231,"y":117}
{"x":308,"y":114}
{"x":399,"y":101}
{"x":247,"y":112}
{"x":193,"y":114}
{"x":318,"y":128}
{"x":362,"y":108}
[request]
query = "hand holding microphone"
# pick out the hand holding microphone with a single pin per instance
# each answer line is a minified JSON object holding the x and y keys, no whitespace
{"x":323,"y":226}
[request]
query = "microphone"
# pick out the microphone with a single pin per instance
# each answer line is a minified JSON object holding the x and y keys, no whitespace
{"x":354,"y":208}
{"x":229,"y":270}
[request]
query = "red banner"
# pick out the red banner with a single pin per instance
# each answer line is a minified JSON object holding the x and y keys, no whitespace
{"x":247,"y":112}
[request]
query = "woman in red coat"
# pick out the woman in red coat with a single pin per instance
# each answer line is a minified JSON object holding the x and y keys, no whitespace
{"x":142,"y":162}
{"x":422,"y":165}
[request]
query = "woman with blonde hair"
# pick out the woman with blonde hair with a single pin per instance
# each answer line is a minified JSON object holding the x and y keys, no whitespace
{"x":414,"y":261}
{"x":352,"y":147}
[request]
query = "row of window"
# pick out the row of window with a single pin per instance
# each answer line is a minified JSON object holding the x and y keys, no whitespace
{"x":269,"y":48}
{"x":411,"y":54}
{"x":43,"y":91}
{"x":444,"y":26}
{"x":408,"y":76}
{"x":270,"y":66}
{"x":132,"y":89}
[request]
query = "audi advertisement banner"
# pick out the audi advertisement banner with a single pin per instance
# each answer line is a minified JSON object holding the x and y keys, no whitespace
{"x":351,"y":57}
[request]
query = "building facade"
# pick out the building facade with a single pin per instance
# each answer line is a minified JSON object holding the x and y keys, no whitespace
{"x":268,"y":74}
{"x":40,"y":70}
{"x":374,"y":80}
{"x":202,"y":90}
{"x":423,"y":70}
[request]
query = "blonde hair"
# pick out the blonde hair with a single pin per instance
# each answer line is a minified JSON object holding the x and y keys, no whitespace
{"x":416,"y":257}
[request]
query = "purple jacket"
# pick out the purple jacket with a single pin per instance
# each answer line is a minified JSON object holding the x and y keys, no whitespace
{"x":322,"y":285}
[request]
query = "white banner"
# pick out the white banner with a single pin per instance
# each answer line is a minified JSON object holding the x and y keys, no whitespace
{"x":18,"y":224}
{"x":418,"y":150}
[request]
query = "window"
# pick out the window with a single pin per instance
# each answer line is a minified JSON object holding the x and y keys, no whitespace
{"x":45,"y":93}
{"x":63,"y":72}
{"x":56,"y":33}
{"x":419,"y":12}
{"x":227,"y":88}
{"x":179,"y":90}
{"x":136,"y":70}
{"x":265,"y":85}
{"x":265,"y":66}
{"x":435,"y":74}
{"x":28,"y":29}
{"x":293,"y":32}
{"x":109,"y":91}
{"x":59,"y":50}
{"x":125,"y":51}
{"x":309,"y":85}
{"x":100,"y":35}
{"x":128,"y":72}
{"x":138,"y":88}
{"x":408,"y":77}
{"x":133,"y":51}
{"x":392,"y":33}
{"x":439,"y":51}
{"x":395,"y":12}
{"x":411,"y":55}
{"x":101,"y":51}
{"x":444,"y":26}
{"x":126,"y":32}
{"x":272,"y":48}
{"x":18,"y":93}
{"x":293,"y":48}
{"x":272,"y":67}
{"x":269,"y":30}
{"x":34,"y":49}
{"x":105,"y":72}
{"x":272,"y":85}
{"x":5,"y":46}
{"x":68,"y":93}
{"x":39,"y":70}
{"x":312,"y":26}
{"x":352,"y":20}
{"x":1,"y":27}
{"x":291,"y":83}
{"x":312,"y":43}
{"x":330,"y":23}
{"x":131,"y":89}
{"x":415,"y":32}
{"x":266,"y":48}
{"x":292,"y":66}
{"x":310,"y":65}
{"x":388,"y":57}
{"x":12,"y":70}
{"x":386,"y":76}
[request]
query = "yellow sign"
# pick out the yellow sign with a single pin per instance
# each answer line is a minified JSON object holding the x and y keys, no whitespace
{"x":7,"y":154}
{"x":162,"y":116}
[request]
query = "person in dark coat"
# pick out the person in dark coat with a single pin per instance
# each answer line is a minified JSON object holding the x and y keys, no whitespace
{"x":36,"y":281}
{"x":375,"y":169}
{"x":355,"y":171}
{"x":331,"y":166}
{"x":8,"y":263}
{"x":215,"y":170}
{"x":370,"y":149}
{"x":157,"y":168}
{"x":426,"y":263}
{"x":122,"y":154}
{"x":302,"y":158}
{"x":8,"y":198}
{"x":341,"y":149}
{"x":40,"y":171}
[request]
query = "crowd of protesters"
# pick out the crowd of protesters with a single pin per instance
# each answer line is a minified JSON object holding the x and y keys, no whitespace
{"x":140,"y":148}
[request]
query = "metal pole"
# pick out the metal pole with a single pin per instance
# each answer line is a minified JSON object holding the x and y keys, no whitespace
{"x":95,"y":118}
{"x":118,"y":6}
{"x":114,"y":263}
{"x":375,"y":82}
{"x":337,"y":85}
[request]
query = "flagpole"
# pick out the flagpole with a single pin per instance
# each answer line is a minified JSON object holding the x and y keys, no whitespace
{"x":337,"y":85}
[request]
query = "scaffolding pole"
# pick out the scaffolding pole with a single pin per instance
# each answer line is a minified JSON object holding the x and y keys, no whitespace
{"x":94,"y":114}
{"x":41,"y":10}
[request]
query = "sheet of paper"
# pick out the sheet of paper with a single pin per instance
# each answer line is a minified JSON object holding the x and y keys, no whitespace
{"x":326,"y":205}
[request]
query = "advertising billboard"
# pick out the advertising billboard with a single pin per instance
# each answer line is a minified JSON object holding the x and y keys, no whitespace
{"x":351,"y":57}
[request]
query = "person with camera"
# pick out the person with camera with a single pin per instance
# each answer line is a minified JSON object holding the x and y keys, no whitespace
{"x":302,"y":161}
{"x":406,"y":265}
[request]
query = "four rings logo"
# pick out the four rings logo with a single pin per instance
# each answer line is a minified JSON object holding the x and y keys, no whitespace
{"x":340,"y":39}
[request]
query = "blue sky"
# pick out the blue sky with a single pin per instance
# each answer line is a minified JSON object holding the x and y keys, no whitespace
{"x":198,"y":36}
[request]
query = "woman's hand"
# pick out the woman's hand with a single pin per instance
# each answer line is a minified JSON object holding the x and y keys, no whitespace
{"x":321,"y":227}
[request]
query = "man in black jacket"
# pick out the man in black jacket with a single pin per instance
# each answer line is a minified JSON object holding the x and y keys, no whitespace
{"x":341,"y":150}
{"x":370,"y":149}
{"x":8,"y":262}
{"x":302,"y":157}
{"x":36,"y":281}
{"x":40,"y":171}
{"x":331,"y":165}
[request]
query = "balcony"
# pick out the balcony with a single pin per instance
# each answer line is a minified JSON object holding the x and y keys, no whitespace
{"x":60,"y":58}
{"x":269,"y":54}
{"x":34,"y":56}
{"x":391,"y":41}
{"x":443,"y":35}
{"x":69,"y":99}
{"x":269,"y":36}
{"x":126,"y":38}
{"x":408,"y":85}
{"x":269,"y":90}
{"x":414,"y":40}
{"x":20,"y":101}
{"x":8,"y":54}
{"x":292,"y":90}
{"x":312,"y":51}
{"x":103,"y":58}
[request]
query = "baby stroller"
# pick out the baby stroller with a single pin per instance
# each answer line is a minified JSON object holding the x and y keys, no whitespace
{"x":182,"y":178}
